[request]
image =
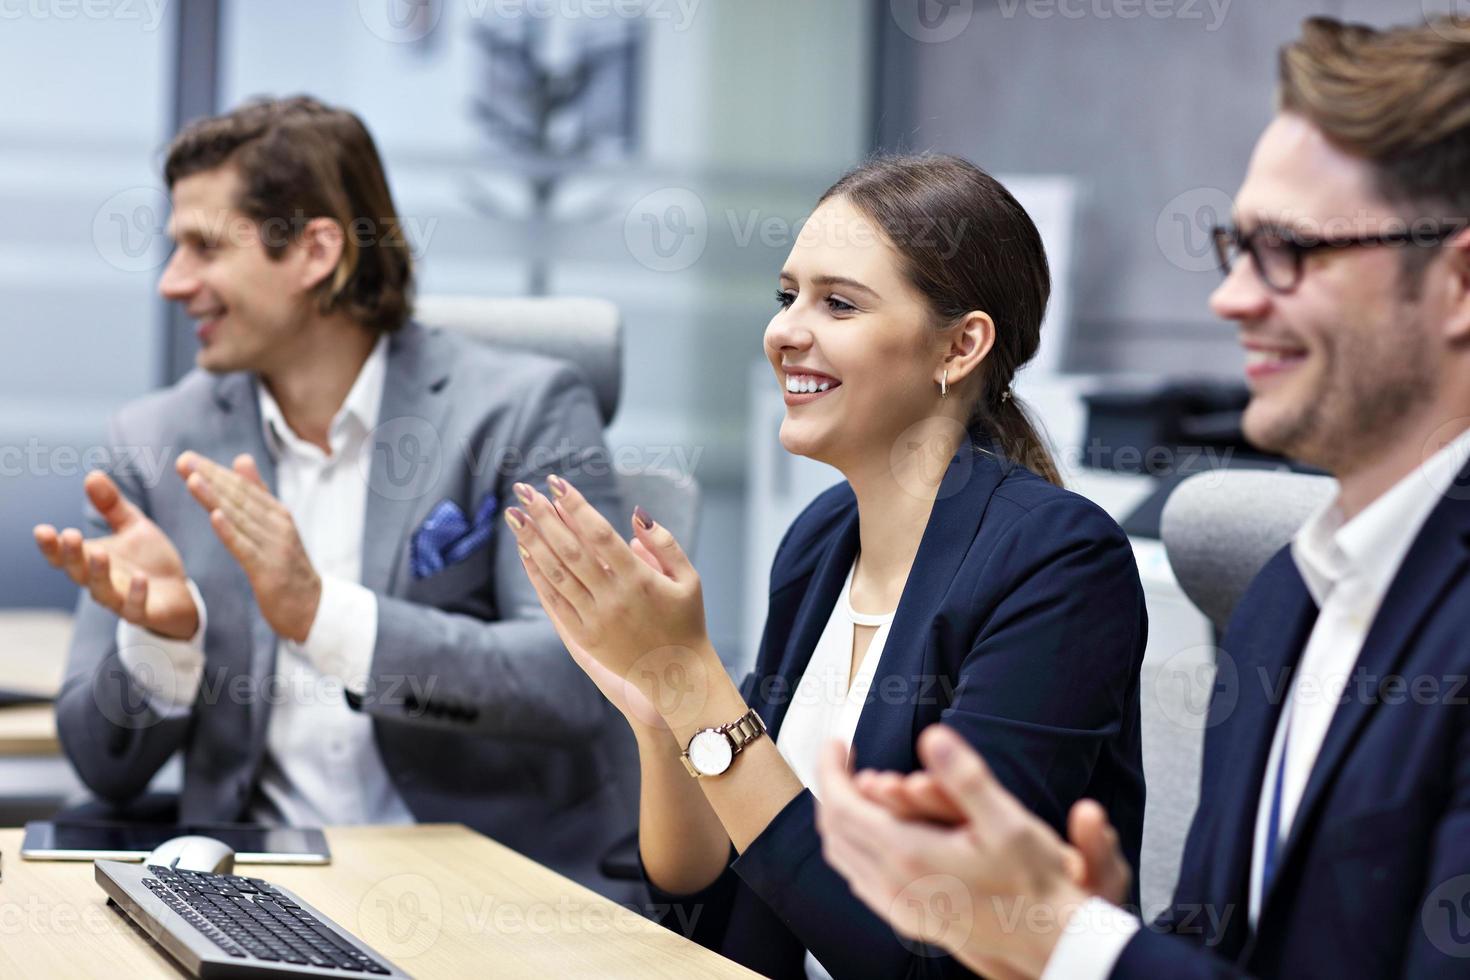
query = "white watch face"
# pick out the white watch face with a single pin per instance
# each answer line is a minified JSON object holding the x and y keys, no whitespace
{"x":710,"y":752}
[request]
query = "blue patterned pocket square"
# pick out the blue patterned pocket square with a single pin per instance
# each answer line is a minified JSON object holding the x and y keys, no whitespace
{"x":447,"y":537}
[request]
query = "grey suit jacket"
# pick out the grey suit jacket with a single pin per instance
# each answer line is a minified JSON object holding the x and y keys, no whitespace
{"x":480,"y":715}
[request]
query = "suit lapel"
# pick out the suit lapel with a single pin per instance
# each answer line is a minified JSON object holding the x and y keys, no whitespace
{"x":1267,"y":648}
{"x":239,"y":430}
{"x":1435,"y":561}
{"x":408,"y":452}
{"x":885,"y":737}
{"x":817,"y":601}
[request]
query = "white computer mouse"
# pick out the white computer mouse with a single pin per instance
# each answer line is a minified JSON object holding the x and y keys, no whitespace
{"x":194,"y":853}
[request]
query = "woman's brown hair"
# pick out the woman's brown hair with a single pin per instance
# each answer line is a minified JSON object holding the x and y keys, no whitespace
{"x":300,"y":159}
{"x":967,"y":245}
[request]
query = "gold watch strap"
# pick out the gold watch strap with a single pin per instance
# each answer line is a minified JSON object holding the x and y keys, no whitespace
{"x":749,"y":728}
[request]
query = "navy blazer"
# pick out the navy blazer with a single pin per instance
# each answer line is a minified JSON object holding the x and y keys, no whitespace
{"x":1022,"y":625}
{"x":1374,"y":877}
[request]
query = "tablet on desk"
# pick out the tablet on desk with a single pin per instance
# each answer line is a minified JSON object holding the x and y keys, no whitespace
{"x":90,"y":840}
{"x":19,"y":699}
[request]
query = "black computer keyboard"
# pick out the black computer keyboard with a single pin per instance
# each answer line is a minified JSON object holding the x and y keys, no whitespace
{"x":235,"y":926}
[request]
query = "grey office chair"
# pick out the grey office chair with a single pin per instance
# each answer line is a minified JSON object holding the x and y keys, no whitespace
{"x":589,"y":334}
{"x":1219,"y":529}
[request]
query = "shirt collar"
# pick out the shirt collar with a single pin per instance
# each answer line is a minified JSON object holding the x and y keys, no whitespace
{"x":359,"y":409}
{"x":1372,"y":545}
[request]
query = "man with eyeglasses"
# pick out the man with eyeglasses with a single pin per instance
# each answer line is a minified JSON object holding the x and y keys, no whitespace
{"x":1332,"y":836}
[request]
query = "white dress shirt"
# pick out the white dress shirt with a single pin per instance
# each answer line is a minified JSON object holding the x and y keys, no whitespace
{"x":321,"y":763}
{"x":1348,"y":568}
{"x":829,"y":698}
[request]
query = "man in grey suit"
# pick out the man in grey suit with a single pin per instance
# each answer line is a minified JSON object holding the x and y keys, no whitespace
{"x":320,"y":608}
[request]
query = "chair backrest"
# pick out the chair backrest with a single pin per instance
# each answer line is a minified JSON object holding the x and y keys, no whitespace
{"x":586,"y":332}
{"x":1220,"y":528}
{"x":589,"y":334}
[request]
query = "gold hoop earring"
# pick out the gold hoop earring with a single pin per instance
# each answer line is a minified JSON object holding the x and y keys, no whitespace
{"x":944,"y":385}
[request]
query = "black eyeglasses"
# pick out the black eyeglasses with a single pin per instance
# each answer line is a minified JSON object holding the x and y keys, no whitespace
{"x":1278,"y":253}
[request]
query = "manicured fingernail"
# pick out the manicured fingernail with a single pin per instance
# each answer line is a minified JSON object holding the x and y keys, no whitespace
{"x":525,"y":555}
{"x":523,"y":492}
{"x":515,"y":518}
{"x":558,"y":486}
{"x":641,"y":516}
{"x":944,"y":752}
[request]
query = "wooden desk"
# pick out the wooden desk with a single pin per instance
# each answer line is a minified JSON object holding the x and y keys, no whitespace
{"x":28,"y":730}
{"x":439,"y":900}
{"x":33,"y":645}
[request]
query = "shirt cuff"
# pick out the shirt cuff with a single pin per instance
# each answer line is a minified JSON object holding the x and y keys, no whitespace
{"x":345,"y":633}
{"x":1091,"y":943}
{"x":169,"y":671}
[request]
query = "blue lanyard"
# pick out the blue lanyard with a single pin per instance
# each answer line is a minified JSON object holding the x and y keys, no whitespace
{"x":1273,"y":830}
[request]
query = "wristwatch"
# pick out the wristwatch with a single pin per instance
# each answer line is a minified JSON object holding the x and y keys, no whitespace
{"x":712,"y":750}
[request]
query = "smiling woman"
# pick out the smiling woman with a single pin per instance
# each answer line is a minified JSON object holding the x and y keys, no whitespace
{"x":949,"y":577}
{"x":946,"y":280}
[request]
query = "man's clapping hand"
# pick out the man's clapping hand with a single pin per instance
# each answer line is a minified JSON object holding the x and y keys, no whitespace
{"x":260,"y":533}
{"x":135,"y":571}
{"x":1095,"y":860}
{"x":944,"y":853}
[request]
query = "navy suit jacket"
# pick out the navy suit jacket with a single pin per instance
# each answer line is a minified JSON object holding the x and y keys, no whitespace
{"x":1374,"y":876}
{"x":1021,"y":625}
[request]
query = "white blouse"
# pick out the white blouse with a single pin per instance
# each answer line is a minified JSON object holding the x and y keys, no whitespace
{"x":827,"y":702}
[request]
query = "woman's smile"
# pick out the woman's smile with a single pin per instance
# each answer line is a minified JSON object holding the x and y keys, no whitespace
{"x":807,"y":386}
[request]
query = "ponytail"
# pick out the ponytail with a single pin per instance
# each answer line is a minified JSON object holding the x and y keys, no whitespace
{"x":1020,"y":438}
